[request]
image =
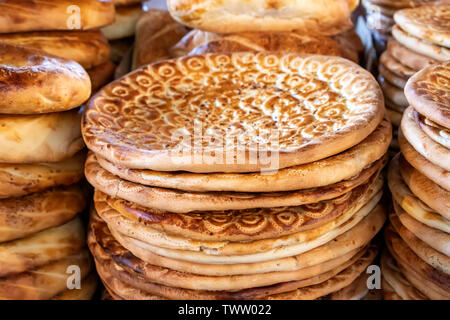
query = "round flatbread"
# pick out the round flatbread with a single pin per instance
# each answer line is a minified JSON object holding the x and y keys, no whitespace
{"x":279,"y":114}
{"x":44,"y":282}
{"x":428,"y":93}
{"x":434,"y":238}
{"x":290,"y":248}
{"x":430,"y":23}
{"x":410,"y":203}
{"x":320,"y":16}
{"x":433,"y":257}
{"x":230,"y":225}
{"x":51,"y":137}
{"x":40,"y":15}
{"x":426,"y":190}
{"x":357,"y":290}
{"x":35,"y":82}
{"x":427,"y":168}
{"x":182,"y":202}
{"x":88,"y":48}
{"x":86,"y":292}
{"x":23,"y":216}
{"x":343,"y":166}
{"x":41,"y":248}
{"x":420,"y":46}
{"x":427,"y":147}
{"x":393,"y":93}
{"x":21,"y":179}
{"x":104,"y":244}
{"x":352,"y":240}
{"x":408,"y":57}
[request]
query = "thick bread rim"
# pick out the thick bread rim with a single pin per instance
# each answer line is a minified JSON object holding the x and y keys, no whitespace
{"x":21,"y":179}
{"x":424,"y":96}
{"x":410,"y":203}
{"x":422,"y":143}
{"x":26,"y":215}
{"x":436,"y":239}
{"x":51,"y":137}
{"x":321,"y":16}
{"x":408,"y":57}
{"x":435,"y":131}
{"x":86,"y":292}
{"x":44,"y":282}
{"x":423,"y":29}
{"x":290,"y":249}
{"x":420,"y":46}
{"x":229,"y":226}
{"x":393,"y":93}
{"x":41,"y":248}
{"x":181,"y":202}
{"x":429,"y":255}
{"x":45,"y":15}
{"x":124,"y":25}
{"x":88,"y":48}
{"x":425,"y":189}
{"x":342,"y":166}
{"x":422,"y":164}
{"x":397,"y":282}
{"x":105,"y":141}
{"x":390,"y":76}
{"x":428,"y":280}
{"x":356,"y":237}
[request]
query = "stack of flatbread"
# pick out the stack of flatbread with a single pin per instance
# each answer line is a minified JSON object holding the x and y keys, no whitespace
{"x":417,"y":263}
{"x":380,"y":16}
{"x":237,"y":176}
{"x":420,"y":39}
{"x":315,"y":27}
{"x":42,"y":239}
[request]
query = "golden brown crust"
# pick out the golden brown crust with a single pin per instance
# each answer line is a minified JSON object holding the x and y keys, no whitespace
{"x":429,"y":23}
{"x":88,"y":48}
{"x":425,"y":189}
{"x":307,"y":134}
{"x":34,"y":82}
{"x":45,"y":15}
{"x":20,"y":217}
{"x":181,"y":201}
{"x":427,"y":91}
{"x":46,"y":281}
{"x":427,"y":147}
{"x":435,"y":131}
{"x":410,"y":203}
{"x":125,"y":2}
{"x":87,"y":291}
{"x":200,"y":42}
{"x":21,"y":179}
{"x":156,"y":33}
{"x":41,"y":248}
{"x":238,"y":225}
{"x":408,"y":57}
{"x":230,"y":16}
{"x":59,"y":137}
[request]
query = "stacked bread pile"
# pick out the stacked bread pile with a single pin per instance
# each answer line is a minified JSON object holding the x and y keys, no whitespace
{"x":41,"y":152}
{"x":121,"y":33}
{"x":380,"y":16}
{"x":318,"y":27}
{"x":65,"y":29}
{"x":417,"y":263}
{"x":420,"y":39}
{"x":178,"y":216}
